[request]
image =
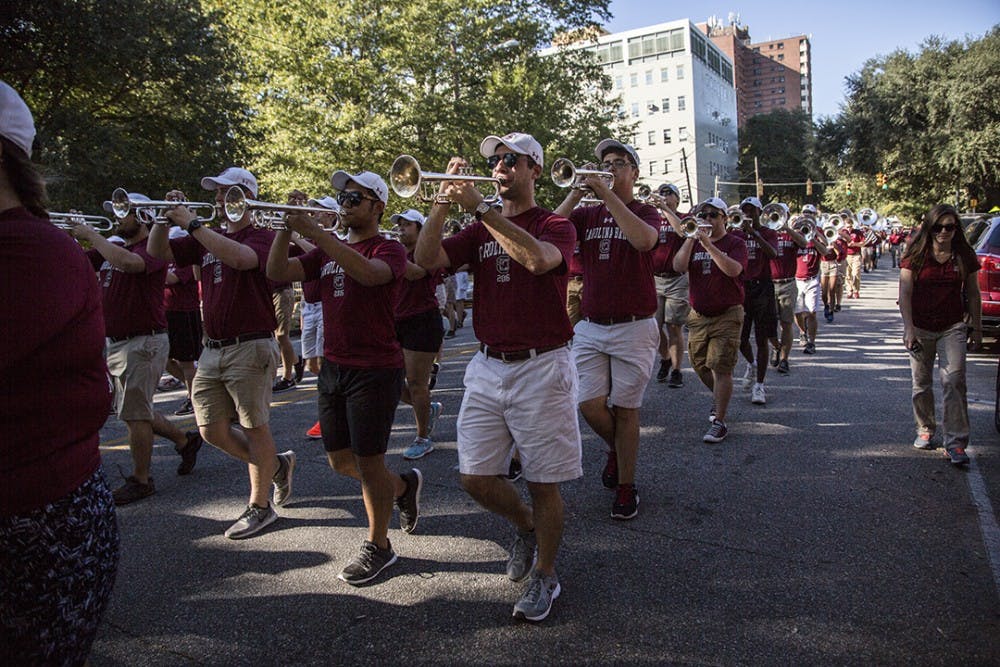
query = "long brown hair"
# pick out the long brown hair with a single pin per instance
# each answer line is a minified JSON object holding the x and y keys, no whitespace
{"x":24,"y":178}
{"x":922,"y":240}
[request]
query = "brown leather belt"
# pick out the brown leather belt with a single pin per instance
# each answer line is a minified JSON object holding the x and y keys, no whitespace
{"x":782,"y":281}
{"x":517,"y":355}
{"x":153,"y":332}
{"x":608,"y":321}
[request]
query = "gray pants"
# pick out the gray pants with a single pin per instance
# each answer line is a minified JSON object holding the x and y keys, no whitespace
{"x":949,"y":347}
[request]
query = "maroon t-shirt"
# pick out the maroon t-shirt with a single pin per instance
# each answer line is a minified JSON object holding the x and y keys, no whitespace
{"x":417,"y":296}
{"x":182,"y":295}
{"x":841,"y":248}
{"x":133,"y":302}
{"x":311,"y":292}
{"x":711,"y":291}
{"x":937,"y":301}
{"x":512,"y":309}
{"x":668,"y":243}
{"x":856,"y":236}
{"x":783,"y":266}
{"x":758,"y":263}
{"x":235,"y":302}
{"x":807,"y":262}
{"x":359,"y":323}
{"x":617,"y":278}
{"x":53,"y":377}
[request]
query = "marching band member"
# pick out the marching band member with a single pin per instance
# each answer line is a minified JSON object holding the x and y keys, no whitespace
{"x":807,"y":285}
{"x":615,"y":344}
{"x":521,"y":388}
{"x":58,"y":534}
{"x":672,"y":305}
{"x":361,"y":378}
{"x":182,"y":305}
{"x":855,"y":242}
{"x":783,"y":268}
{"x":420,"y":333}
{"x":136,"y":327}
{"x":759,"y":309}
{"x":236,"y":368}
{"x":715,"y":260}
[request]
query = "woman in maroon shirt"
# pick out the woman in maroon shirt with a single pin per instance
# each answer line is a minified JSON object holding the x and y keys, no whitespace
{"x":940,"y":302}
{"x":58,"y":534}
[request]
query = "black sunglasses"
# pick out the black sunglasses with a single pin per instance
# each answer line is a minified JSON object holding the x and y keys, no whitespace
{"x":709,"y":215}
{"x":351,"y":198}
{"x":617,"y":164}
{"x":509,"y":159}
{"x":937,"y":229}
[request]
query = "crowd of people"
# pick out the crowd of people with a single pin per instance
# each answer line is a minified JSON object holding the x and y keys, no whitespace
{"x":611,"y":283}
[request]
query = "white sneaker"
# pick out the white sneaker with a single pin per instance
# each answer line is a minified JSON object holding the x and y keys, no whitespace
{"x":757,"y":395}
{"x":749,"y":375}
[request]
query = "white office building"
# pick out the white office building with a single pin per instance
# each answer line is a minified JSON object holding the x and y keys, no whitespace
{"x":678,"y":87}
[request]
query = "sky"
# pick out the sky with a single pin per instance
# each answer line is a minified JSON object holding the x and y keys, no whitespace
{"x":843,"y":34}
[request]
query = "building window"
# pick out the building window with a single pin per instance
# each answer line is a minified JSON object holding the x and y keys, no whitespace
{"x":781,"y":56}
{"x":652,"y":167}
{"x":666,"y":166}
{"x":649,"y":77}
{"x":681,"y":103}
{"x":664,"y":74}
{"x":781,"y":45}
{"x":665,"y":104}
{"x":651,"y":137}
{"x":680,"y":72}
{"x":682,"y":134}
{"x":633,"y":79}
{"x":635,"y":109}
{"x":619,"y":82}
{"x":651,"y":107}
{"x":666,"y":136}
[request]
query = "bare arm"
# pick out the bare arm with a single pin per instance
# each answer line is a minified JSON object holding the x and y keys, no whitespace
{"x":414,"y":271}
{"x":122,"y":259}
{"x":279,"y":267}
{"x":539,"y":257}
{"x":158,"y":243}
{"x":429,"y":254}
{"x":641,"y":235}
{"x":231,"y":253}
{"x":974,"y":301}
{"x":368,"y":272}
{"x":726,"y":264}
{"x":906,"y":306}
{"x":682,"y":258}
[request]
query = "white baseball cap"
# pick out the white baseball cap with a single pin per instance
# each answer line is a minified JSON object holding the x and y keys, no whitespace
{"x":16,"y":123}
{"x":715,"y":202}
{"x":519,"y":142}
{"x":753,"y":201}
{"x":606,"y":145}
{"x":411,"y":214}
{"x":809,"y":208}
{"x":671,"y":187}
{"x":326,"y":202}
{"x":230,"y":177}
{"x":365,"y":179}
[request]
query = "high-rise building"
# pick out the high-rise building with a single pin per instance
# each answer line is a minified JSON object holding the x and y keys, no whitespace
{"x":775,"y":74}
{"x":678,"y":87}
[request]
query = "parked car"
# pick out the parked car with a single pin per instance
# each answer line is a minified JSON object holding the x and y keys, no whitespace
{"x":985,"y":239}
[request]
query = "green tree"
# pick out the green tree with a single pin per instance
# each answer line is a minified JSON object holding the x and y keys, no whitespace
{"x":781,"y":142}
{"x":134,"y":94}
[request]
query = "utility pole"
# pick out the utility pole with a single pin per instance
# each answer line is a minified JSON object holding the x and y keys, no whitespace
{"x":716,"y":186}
{"x":692,"y":196}
{"x":756,"y":178}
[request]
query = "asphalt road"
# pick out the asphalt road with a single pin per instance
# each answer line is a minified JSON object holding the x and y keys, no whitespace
{"x":814,"y":534}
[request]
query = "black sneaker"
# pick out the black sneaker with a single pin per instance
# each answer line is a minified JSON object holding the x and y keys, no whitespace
{"x":300,"y":369}
{"x":450,"y":333}
{"x":189,"y":454}
{"x":716,"y":432}
{"x":609,"y":477}
{"x":409,"y":503}
{"x":783,"y":367}
{"x":664,"y":372}
{"x":626,"y":504}
{"x":434,"y":375}
{"x":810,"y":348}
{"x":283,"y":384}
{"x":186,"y":408}
{"x":133,"y":490}
{"x":676,"y":379}
{"x":368,"y":563}
{"x":514,"y":472}
{"x":836,"y":308}
{"x":775,"y":358}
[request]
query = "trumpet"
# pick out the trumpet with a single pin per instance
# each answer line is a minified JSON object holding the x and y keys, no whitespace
{"x":564,"y":174}
{"x":263,"y":214}
{"x":643,"y":192}
{"x":775,"y":216}
{"x":406,"y":180}
{"x":867,"y":217}
{"x":122,"y":205}
{"x":735,"y":218}
{"x":690,"y":227}
{"x":68,"y":220}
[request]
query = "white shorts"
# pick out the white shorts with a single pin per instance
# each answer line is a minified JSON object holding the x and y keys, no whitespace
{"x":615,"y":360}
{"x":441,"y":295}
{"x":312,"y":329}
{"x":462,"y":285}
{"x":528,"y":405}
{"x":809,"y":295}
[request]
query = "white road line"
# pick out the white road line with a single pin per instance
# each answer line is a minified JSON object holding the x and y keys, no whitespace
{"x":987,"y":520}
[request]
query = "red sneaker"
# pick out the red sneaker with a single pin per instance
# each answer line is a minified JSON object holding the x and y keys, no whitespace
{"x":315,"y":433}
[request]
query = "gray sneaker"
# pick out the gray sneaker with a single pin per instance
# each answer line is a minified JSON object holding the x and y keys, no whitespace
{"x":368,"y":563}
{"x":957,"y":455}
{"x":536,"y":603}
{"x":253,"y":519}
{"x":283,"y":477}
{"x":522,"y":556}
{"x":432,"y":417}
{"x":409,"y":502}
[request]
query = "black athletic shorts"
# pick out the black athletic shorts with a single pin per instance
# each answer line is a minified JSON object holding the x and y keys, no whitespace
{"x":759,"y":309}
{"x":184,"y":333}
{"x":422,"y":332}
{"x":357,"y":407}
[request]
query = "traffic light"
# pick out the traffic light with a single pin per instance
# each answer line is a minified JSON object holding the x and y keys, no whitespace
{"x":809,"y":187}
{"x":849,"y":188}
{"x":885,"y":181}
{"x":880,"y":178}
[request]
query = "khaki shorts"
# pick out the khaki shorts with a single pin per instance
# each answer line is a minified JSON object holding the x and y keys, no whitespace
{"x":136,"y":365}
{"x":284,"y":306}
{"x":235,"y":382}
{"x":574,"y":297}
{"x":526,"y":405}
{"x":713,"y":342}
{"x":785,"y":295}
{"x":828,"y":269}
{"x":672,"y":303}
{"x":615,"y":360}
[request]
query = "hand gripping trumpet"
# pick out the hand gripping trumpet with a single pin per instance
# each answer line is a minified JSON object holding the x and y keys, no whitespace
{"x":565,"y":175}
{"x":68,"y":220}
{"x":122,"y":205}
{"x":406,"y":180}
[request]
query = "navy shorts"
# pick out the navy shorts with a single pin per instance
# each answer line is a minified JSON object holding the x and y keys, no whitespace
{"x":760,"y":310}
{"x":357,"y":407}
{"x":184,"y":333}
{"x":422,"y":332}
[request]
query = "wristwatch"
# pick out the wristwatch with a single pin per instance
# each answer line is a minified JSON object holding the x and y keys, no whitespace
{"x":481,"y":210}
{"x":193,"y":225}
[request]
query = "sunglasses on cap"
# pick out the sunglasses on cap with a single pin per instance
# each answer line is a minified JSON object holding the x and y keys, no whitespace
{"x":509,"y":160}
{"x":352,"y":198}
{"x":937,"y":229}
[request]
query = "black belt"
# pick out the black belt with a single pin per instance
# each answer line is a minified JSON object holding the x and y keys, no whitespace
{"x":668,"y":274}
{"x":153,"y":332}
{"x":608,"y":321}
{"x":517,"y":355}
{"x":782,"y":281}
{"x":226,"y":342}
{"x":576,"y":277}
